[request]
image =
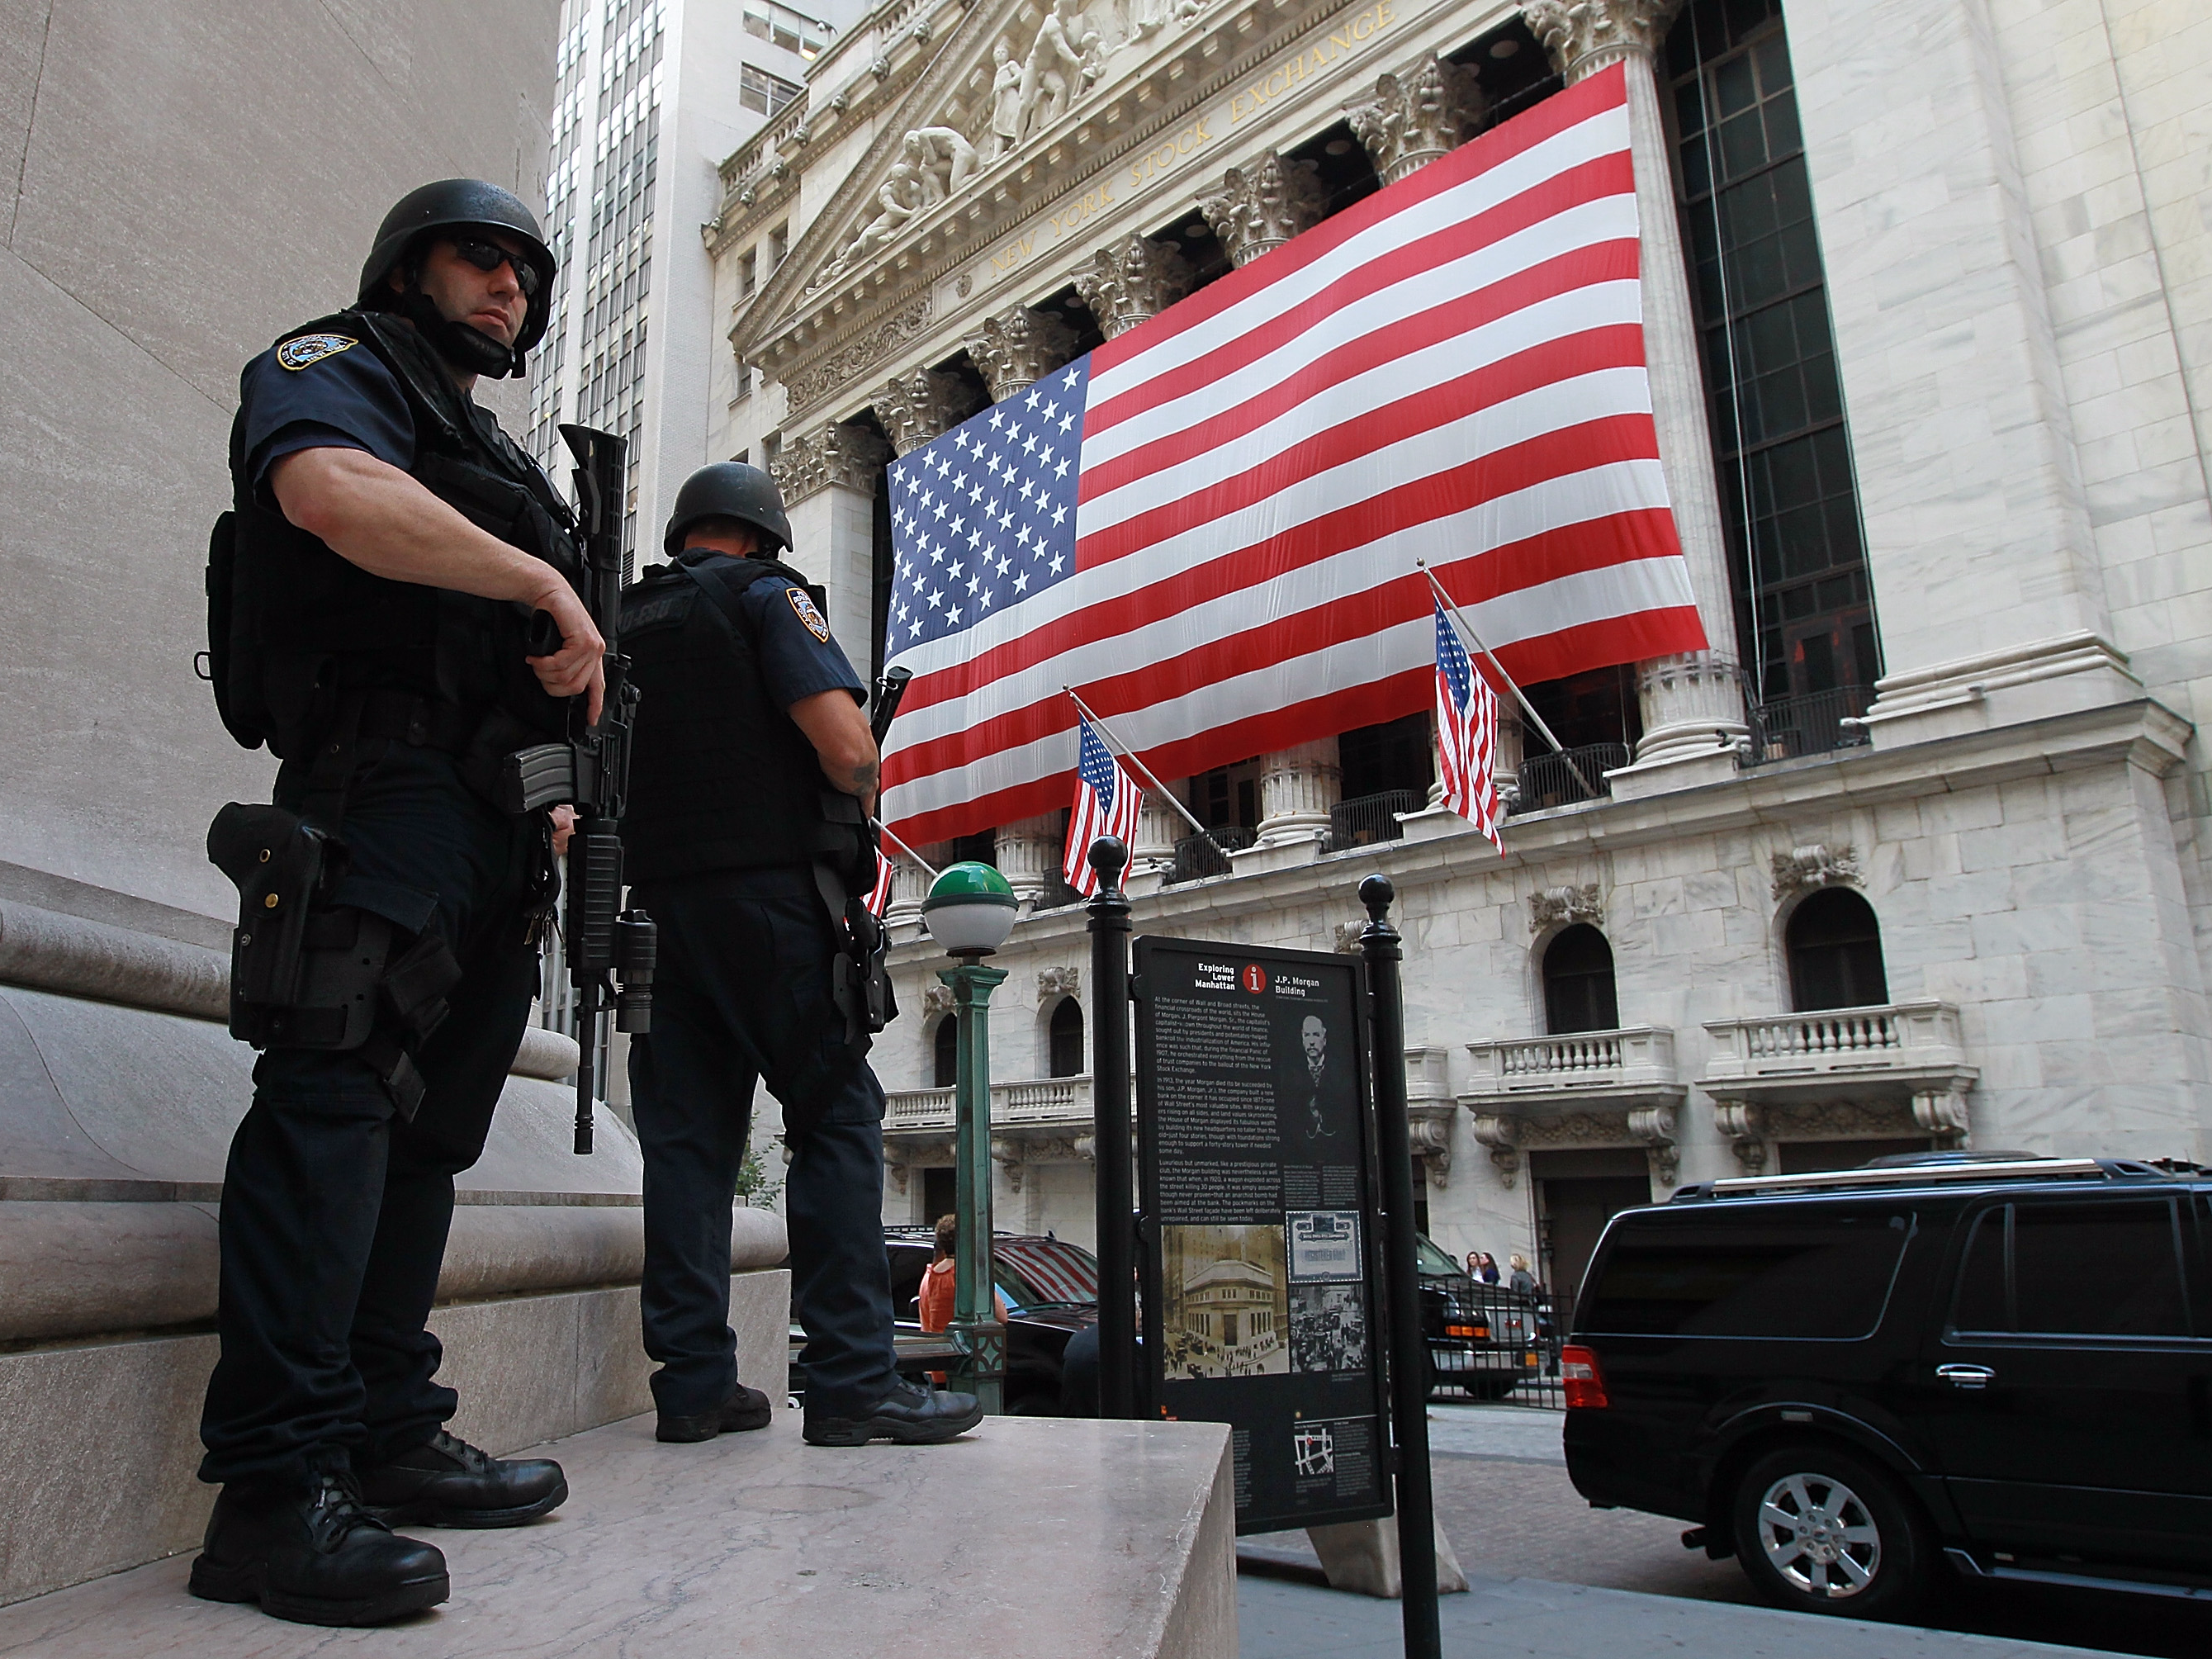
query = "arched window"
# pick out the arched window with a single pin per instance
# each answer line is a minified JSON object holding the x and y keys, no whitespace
{"x":1067,"y":1038}
{"x":1578,"y":982}
{"x":1835,"y":952}
{"x":947,"y":1045}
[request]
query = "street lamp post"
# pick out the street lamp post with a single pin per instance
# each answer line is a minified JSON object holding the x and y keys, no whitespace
{"x":971,"y":910}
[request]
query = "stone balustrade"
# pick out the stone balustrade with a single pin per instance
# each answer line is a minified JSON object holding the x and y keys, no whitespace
{"x":1896,"y":1068}
{"x":1061,"y":1102}
{"x":1633,"y":1061}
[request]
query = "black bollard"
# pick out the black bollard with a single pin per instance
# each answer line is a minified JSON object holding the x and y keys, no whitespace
{"x":1110,"y":1104}
{"x":1409,"y":1357}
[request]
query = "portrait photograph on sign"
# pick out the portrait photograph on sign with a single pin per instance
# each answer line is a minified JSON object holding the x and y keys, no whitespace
{"x":1254,"y":1159}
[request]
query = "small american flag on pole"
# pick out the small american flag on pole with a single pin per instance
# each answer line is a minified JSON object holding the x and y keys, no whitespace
{"x":879,"y":897}
{"x":1106,"y":802}
{"x":1211,"y":527}
{"x":1467,"y":734}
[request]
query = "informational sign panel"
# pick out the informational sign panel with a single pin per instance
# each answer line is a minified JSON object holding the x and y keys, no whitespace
{"x":1255,"y":1173}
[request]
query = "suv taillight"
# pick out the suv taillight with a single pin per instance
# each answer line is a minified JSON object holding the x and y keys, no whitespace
{"x":1584,"y":1383}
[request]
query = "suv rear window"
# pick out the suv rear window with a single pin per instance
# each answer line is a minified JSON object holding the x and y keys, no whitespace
{"x":1807,"y":1273}
{"x":2110,"y":1268}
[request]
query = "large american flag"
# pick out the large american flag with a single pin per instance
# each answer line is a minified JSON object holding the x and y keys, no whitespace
{"x":1209,"y":527}
{"x":1107,"y":799}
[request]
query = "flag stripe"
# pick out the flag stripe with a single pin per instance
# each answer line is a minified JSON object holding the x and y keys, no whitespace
{"x":1455,"y":262}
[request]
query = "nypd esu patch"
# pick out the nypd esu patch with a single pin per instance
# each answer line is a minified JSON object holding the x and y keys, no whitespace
{"x":803,"y":608}
{"x":312,"y":349}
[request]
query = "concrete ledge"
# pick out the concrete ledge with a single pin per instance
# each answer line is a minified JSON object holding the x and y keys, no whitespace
{"x":1033,"y":1536}
{"x":96,"y":1469}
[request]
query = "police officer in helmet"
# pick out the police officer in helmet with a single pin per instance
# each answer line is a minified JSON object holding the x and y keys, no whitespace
{"x":752,"y":777}
{"x":374,"y":585}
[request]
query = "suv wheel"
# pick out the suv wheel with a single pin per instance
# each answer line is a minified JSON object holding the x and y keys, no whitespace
{"x":1819,"y":1530}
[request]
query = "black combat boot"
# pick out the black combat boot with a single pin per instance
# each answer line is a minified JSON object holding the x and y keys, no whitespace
{"x":745,"y":1409}
{"x":445,"y":1482}
{"x":315,"y":1557}
{"x":908,"y":1413}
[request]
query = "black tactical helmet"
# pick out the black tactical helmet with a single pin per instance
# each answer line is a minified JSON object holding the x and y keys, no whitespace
{"x":454,"y":204}
{"x":728,"y":489}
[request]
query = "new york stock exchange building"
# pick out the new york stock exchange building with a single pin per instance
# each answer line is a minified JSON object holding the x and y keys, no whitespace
{"x":1906,"y":859}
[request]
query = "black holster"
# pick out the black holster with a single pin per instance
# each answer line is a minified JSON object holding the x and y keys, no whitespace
{"x":326,"y":960}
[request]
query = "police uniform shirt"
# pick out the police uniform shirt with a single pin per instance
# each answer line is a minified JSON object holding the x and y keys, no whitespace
{"x":798,"y":658}
{"x":321,"y":392}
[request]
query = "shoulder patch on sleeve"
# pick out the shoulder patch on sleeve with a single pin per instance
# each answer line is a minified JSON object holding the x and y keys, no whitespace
{"x":296,"y":355}
{"x":803,"y":608}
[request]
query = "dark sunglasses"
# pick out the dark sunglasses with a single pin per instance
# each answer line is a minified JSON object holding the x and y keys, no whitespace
{"x":488,"y":257}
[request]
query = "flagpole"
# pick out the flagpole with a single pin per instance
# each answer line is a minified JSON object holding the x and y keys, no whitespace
{"x":1092,"y":715}
{"x":902,"y":846}
{"x":1519,"y":696}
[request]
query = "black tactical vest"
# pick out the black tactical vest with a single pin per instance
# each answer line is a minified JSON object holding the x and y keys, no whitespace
{"x":720,"y":778}
{"x":297,"y":628}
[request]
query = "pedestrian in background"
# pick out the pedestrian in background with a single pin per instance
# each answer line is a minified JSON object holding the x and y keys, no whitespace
{"x":1523,"y":1283}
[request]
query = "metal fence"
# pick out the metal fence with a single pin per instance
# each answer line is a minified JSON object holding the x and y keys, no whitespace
{"x":1367,"y":819}
{"x":1812,"y":724}
{"x":1513,"y":1356}
{"x":1197,"y":857}
{"x":1548,"y":779}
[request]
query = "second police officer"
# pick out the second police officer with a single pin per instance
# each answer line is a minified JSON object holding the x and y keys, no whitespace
{"x":752,"y":778}
{"x":370,"y":592}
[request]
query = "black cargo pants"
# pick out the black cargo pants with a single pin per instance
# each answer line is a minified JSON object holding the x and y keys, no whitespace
{"x":742,"y":993}
{"x":335,"y":1210}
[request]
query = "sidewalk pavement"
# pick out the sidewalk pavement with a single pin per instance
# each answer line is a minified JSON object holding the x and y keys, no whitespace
{"x":1527,"y":1618}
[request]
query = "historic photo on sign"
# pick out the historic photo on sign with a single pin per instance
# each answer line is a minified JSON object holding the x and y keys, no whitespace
{"x":1225,"y":1308}
{"x":1328,"y":1329}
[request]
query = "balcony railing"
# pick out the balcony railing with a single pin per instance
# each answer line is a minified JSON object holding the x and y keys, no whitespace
{"x":1811,"y":725}
{"x":1548,"y":781}
{"x":1872,"y":1039}
{"x":1633,"y":1062}
{"x":1197,"y":857}
{"x":1044,"y":1100}
{"x":1367,"y":819}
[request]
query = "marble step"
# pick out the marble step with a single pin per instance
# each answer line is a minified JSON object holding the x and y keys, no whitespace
{"x":1031,"y":1536}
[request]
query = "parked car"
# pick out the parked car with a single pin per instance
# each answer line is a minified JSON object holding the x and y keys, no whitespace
{"x":1850,"y":1380}
{"x":1050,"y":1288}
{"x":1482,"y":1337}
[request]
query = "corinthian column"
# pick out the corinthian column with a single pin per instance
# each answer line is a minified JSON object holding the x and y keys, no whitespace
{"x":1693,"y":704}
{"x":1428,"y":112}
{"x":1131,"y":282}
{"x":1298,"y":788}
{"x":1028,"y":854}
{"x":829,"y":478}
{"x":1018,"y":348}
{"x":917,"y":407}
{"x":1259,"y":208}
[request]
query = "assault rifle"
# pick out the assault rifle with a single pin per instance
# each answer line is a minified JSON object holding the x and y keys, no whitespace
{"x":591,"y":771}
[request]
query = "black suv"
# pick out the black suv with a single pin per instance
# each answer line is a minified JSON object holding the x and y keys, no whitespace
{"x":1847,"y":1379}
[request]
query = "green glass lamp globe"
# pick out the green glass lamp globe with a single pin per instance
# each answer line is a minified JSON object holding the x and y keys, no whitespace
{"x":970,"y":908}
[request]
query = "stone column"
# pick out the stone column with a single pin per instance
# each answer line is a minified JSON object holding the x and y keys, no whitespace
{"x":917,"y":407}
{"x":1428,"y":112}
{"x":1261,"y":207}
{"x":1016,"y":349}
{"x":1160,"y":827}
{"x":909,"y":886}
{"x":1029,"y":853}
{"x":1693,"y":704}
{"x":1298,"y":788}
{"x":829,"y":478}
{"x":1131,"y":283}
